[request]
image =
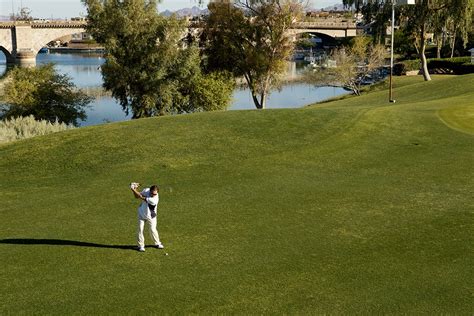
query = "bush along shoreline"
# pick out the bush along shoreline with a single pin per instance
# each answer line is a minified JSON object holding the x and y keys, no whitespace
{"x":27,"y":127}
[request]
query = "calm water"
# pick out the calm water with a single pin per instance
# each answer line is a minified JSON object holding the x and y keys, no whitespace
{"x":84,"y":69}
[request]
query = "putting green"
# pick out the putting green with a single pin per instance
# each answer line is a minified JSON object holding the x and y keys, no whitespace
{"x":460,"y":117}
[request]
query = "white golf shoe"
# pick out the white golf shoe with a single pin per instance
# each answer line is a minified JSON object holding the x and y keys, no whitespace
{"x":141,"y":249}
{"x":160,"y":246}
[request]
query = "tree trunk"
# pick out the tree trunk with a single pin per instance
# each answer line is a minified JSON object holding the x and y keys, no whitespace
{"x":416,"y":46}
{"x":264,"y":93}
{"x":258,"y":105}
{"x":439,"y":44}
{"x":453,"y":44}
{"x":249,"y":80}
{"x":355,"y":89}
{"x":424,"y":62}
{"x":263,"y":100}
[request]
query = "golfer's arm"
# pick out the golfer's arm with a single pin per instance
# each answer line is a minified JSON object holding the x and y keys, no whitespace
{"x":138,"y":195}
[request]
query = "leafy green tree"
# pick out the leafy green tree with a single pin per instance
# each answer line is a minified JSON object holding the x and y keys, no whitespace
{"x":212,"y":90}
{"x":459,"y":22}
{"x":148,"y":67}
{"x":43,"y":93}
{"x":404,"y":44}
{"x":250,"y":39}
{"x":304,"y":42}
{"x":378,"y":14}
{"x":427,"y":16}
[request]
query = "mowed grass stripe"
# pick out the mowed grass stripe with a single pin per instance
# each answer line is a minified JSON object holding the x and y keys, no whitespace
{"x":354,"y":206}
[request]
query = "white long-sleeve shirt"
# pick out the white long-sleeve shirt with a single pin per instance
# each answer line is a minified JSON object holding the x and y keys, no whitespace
{"x":148,"y":208}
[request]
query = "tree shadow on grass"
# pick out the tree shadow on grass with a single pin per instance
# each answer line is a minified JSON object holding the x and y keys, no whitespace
{"x":60,"y":242}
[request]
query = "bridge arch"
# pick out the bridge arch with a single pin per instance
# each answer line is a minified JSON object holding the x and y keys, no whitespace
{"x":326,"y":38}
{"x":7,"y":54}
{"x":334,"y":33}
{"x":45,"y":35}
{"x":21,"y":43}
{"x":325,"y":41}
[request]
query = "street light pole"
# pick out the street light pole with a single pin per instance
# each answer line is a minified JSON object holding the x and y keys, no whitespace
{"x":394,"y":2}
{"x":390,"y":97}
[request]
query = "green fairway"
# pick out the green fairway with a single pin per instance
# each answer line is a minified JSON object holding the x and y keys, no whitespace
{"x":352,"y":206}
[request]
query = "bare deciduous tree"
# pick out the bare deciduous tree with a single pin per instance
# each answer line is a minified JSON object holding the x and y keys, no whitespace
{"x":352,"y":65}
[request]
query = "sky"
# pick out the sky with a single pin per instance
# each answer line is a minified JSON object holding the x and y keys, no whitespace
{"x":73,"y":8}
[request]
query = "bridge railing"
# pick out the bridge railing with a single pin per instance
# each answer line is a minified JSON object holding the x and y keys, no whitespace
{"x":33,"y":24}
{"x":71,"y":24}
{"x":335,"y":25}
{"x":303,"y":25}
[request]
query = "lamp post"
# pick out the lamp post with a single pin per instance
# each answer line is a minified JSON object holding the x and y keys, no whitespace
{"x":392,"y":31}
{"x":390,"y":94}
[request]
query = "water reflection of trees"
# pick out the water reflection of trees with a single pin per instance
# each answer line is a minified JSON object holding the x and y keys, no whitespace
{"x":89,"y":69}
{"x":96,"y":92}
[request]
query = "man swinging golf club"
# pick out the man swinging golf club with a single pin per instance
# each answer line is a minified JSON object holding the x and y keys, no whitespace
{"x":147,"y":213}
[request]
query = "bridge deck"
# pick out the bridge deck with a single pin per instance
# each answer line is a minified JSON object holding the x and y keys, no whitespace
{"x":74,"y":24}
{"x":44,"y":25}
{"x":324,"y":25}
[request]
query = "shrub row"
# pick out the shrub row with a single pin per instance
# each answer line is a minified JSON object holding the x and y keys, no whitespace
{"x":403,"y":67}
{"x":456,"y":66}
{"x":26,"y":127}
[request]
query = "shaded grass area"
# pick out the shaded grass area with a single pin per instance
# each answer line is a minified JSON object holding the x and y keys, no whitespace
{"x":354,"y":206}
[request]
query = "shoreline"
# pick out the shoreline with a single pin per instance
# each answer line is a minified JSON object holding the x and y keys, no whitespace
{"x":98,"y":50}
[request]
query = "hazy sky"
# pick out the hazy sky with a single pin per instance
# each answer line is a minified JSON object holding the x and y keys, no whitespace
{"x":70,"y":8}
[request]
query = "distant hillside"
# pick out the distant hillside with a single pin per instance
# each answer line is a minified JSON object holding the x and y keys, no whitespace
{"x":197,"y":11}
{"x":335,"y":7}
{"x":194,"y":11}
{"x":4,"y":18}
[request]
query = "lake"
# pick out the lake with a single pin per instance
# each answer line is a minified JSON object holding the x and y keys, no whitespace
{"x":84,"y":69}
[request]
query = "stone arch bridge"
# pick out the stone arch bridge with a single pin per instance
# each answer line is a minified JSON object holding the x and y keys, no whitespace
{"x":332,"y":28}
{"x":21,"y":42}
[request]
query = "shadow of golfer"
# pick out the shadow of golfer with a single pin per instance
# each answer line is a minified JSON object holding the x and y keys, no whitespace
{"x":60,"y":242}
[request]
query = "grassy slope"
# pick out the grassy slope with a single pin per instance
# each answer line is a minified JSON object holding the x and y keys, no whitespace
{"x":349,"y":206}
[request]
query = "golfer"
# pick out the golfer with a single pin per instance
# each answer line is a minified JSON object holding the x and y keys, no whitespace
{"x":147,"y":213}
